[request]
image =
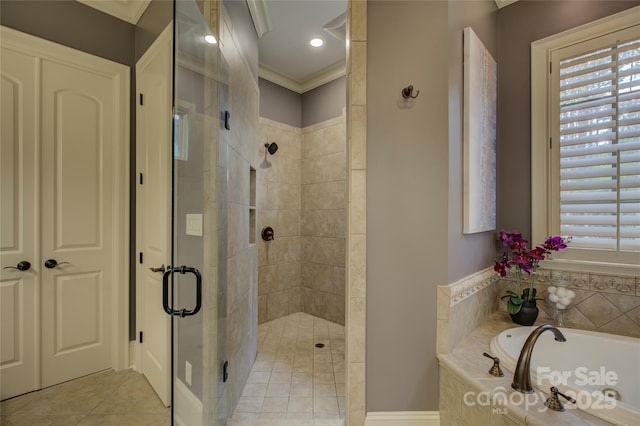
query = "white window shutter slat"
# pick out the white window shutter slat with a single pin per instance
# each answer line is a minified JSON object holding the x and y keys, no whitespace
{"x":599,"y":153}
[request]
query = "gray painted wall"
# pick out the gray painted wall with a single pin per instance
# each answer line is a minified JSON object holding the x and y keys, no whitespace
{"x":72,"y":24}
{"x":407,"y":173}
{"x":152,"y":22}
{"x":520,"y":24}
{"x":324,"y":102}
{"x":412,"y":152}
{"x":315,"y":106}
{"x":280,"y":104}
{"x":473,"y":252}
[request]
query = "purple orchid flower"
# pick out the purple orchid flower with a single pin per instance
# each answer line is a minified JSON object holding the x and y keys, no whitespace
{"x":555,"y":243}
{"x":513,"y":240}
{"x":519,"y":256}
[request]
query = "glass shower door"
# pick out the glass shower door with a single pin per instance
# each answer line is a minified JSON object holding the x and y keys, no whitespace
{"x":195,"y":286}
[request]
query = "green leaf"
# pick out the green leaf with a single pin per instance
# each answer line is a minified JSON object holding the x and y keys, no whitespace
{"x":514,"y":308}
{"x":529,"y":294}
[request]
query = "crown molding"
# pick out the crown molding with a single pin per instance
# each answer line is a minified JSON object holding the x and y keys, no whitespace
{"x":337,"y":27}
{"x":322,"y":77}
{"x":503,"y":3}
{"x":260,"y":16}
{"x":127,"y":10}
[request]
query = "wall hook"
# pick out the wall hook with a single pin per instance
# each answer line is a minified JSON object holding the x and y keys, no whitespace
{"x":407,"y":93}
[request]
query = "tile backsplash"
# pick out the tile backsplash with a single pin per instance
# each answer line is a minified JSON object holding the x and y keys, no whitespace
{"x":605,"y":303}
{"x":464,"y":305}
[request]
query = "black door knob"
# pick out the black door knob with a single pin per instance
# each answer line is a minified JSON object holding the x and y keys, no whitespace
{"x":52,"y":263}
{"x":21,"y":266}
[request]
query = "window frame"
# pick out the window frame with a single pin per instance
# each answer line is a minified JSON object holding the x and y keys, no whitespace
{"x":542,"y":220}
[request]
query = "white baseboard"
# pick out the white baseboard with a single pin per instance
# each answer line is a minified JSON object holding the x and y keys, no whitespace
{"x":403,"y":418}
{"x":188,"y":408}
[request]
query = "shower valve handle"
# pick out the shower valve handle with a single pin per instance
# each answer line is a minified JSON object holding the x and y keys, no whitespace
{"x":268,"y":234}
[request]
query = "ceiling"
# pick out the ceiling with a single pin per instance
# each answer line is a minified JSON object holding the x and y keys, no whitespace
{"x":284,"y":28}
{"x":127,"y":10}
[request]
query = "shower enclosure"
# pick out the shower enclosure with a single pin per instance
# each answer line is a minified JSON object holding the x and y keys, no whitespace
{"x":194,"y":287}
{"x":211,"y":289}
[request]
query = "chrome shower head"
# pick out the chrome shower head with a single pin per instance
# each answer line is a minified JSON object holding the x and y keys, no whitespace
{"x":271,"y":147}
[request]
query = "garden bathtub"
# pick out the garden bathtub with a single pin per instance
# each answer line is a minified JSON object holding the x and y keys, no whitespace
{"x":588,"y":366}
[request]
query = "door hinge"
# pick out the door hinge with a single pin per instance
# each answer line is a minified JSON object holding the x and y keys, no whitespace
{"x":225,"y":371}
{"x":140,"y":257}
{"x":141,"y":337}
{"x":550,"y":143}
{"x":141,"y":179}
{"x":141,"y":99}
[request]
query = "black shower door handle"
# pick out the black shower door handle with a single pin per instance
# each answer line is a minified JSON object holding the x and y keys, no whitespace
{"x":165,"y":291}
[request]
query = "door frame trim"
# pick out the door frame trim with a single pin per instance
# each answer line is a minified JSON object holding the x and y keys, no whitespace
{"x":121,"y":74}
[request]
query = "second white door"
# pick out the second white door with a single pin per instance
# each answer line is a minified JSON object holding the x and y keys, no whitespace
{"x":153,"y":145}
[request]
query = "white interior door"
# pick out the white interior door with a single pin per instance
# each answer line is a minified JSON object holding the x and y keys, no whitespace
{"x":19,"y":301}
{"x":64,"y":199}
{"x":153,"y":141}
{"x":77,"y":194}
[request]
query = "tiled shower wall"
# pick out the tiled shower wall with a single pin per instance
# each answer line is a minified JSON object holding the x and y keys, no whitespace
{"x":302,"y":195}
{"x":279,"y":207}
{"x":323,"y":219}
{"x":242,"y":262}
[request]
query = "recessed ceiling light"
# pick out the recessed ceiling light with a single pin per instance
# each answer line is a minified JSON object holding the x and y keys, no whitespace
{"x":210,"y":39}
{"x":316,"y":42}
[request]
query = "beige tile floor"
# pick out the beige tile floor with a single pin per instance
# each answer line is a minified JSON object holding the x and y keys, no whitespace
{"x":292,"y":382}
{"x":109,"y":398}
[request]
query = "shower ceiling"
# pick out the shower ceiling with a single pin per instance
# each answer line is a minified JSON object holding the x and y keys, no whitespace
{"x":287,"y":26}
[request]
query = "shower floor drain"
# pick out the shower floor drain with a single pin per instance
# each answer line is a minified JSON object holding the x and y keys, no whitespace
{"x":319,"y":345}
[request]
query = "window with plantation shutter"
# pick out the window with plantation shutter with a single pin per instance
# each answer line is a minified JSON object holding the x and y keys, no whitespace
{"x":594,"y":166}
{"x":585,"y":143}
